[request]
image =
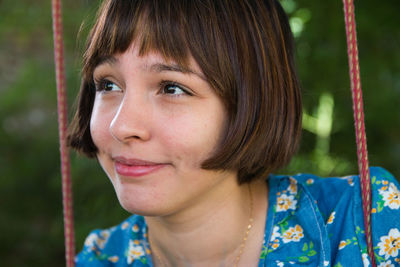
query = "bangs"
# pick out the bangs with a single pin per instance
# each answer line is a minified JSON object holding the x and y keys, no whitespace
{"x":244,"y":50}
{"x":154,"y":27}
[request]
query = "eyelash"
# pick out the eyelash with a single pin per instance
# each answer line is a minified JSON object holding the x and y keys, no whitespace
{"x":163,"y":84}
{"x":101,"y":82}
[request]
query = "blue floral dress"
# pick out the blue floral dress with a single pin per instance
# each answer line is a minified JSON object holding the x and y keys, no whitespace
{"x":311,"y":221}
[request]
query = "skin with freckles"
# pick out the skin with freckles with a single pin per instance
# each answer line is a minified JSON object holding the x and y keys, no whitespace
{"x":154,"y":123}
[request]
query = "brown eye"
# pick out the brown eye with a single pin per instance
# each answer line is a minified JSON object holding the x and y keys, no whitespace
{"x":173,"y":89}
{"x":106,"y":86}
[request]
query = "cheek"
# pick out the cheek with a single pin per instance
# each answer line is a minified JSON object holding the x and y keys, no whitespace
{"x":192,"y":137}
{"x":99,"y":125}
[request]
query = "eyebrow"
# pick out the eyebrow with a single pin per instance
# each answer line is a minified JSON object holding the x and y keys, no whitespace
{"x":110,"y":60}
{"x":156,"y":67}
{"x":160,"y":67}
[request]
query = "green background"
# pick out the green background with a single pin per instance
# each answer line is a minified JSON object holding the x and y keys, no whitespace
{"x":31,"y":225}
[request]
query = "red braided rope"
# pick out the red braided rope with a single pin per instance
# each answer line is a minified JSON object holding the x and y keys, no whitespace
{"x":362,"y":153}
{"x":62,"y":127}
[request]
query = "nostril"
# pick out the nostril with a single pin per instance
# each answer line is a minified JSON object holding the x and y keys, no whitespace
{"x":123,"y":132}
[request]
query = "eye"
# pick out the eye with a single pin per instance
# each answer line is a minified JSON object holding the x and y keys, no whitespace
{"x":104,"y":85}
{"x":173,"y":89}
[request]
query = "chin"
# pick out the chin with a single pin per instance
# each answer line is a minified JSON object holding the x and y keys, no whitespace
{"x":133,"y":209}
{"x":141,"y":204}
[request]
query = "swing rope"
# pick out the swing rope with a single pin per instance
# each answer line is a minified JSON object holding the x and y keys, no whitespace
{"x":358,"y":112}
{"x":362,"y":153}
{"x":62,"y":127}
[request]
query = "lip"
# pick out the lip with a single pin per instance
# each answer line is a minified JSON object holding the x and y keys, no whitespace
{"x":135,"y":167}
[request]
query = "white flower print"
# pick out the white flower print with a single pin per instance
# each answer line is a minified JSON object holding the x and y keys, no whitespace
{"x":285,"y":202}
{"x":275,"y":238}
{"x":293,"y":186}
{"x":124,"y":225}
{"x":293,"y":234}
{"x":331,"y":218}
{"x":91,"y":240}
{"x":365,"y":259}
{"x":280,"y":264}
{"x":275,"y":244}
{"x":386,"y":264}
{"x":97,"y":240}
{"x":103,"y":238}
{"x":342,"y":244}
{"x":135,"y":228}
{"x":391,"y":196}
{"x":326,"y":263}
{"x":390,"y":244}
{"x":275,"y":233}
{"x":384,"y":188}
{"x":113,"y":259}
{"x":135,"y":251}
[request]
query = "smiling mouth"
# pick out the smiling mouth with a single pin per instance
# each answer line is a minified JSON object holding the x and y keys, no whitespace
{"x":135,"y":167}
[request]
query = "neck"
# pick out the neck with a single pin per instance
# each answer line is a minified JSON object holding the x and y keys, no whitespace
{"x":212,"y":232}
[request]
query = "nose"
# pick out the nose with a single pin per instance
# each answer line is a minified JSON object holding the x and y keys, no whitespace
{"x":131,"y":122}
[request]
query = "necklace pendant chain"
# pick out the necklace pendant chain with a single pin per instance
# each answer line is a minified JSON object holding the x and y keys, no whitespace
{"x":242,"y":245}
{"x":249,"y":226}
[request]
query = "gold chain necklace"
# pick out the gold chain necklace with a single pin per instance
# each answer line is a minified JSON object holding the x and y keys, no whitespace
{"x":242,"y":245}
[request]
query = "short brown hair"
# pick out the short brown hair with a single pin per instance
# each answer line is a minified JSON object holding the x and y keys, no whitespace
{"x":244,"y":49}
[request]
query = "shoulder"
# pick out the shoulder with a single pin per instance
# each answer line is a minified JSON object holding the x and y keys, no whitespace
{"x":120,"y":245}
{"x":385,"y":218}
{"x":300,"y":209}
{"x":341,"y":196}
{"x":327,"y":213}
{"x":326,"y":193}
{"x":385,"y":191}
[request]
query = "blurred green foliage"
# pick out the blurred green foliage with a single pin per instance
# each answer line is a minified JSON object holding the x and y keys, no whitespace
{"x":30,"y":190}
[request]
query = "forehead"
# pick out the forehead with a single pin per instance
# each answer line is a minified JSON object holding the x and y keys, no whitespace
{"x":152,"y":61}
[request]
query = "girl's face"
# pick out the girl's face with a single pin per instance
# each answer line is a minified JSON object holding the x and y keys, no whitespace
{"x":154,"y":123}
